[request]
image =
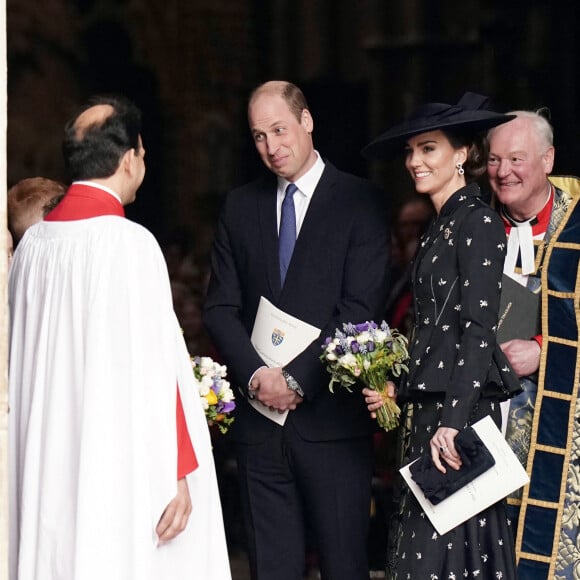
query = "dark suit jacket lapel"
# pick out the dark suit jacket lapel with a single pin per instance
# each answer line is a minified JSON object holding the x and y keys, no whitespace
{"x":268,"y":235}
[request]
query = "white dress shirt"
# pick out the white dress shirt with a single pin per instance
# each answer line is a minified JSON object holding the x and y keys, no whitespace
{"x":306,"y":186}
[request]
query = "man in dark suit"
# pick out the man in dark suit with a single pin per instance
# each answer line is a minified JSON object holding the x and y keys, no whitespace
{"x":316,"y":468}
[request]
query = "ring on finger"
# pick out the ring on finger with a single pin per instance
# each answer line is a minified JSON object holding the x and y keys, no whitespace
{"x":443,"y":449}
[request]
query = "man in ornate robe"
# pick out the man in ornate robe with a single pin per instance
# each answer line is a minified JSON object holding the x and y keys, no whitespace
{"x":100,"y":382}
{"x":542,"y":219}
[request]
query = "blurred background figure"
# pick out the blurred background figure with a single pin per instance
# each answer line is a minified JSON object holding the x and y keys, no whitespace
{"x":29,"y":201}
{"x":412,"y":220}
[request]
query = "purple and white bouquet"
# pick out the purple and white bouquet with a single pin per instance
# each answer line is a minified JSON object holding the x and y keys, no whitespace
{"x":217,"y":397}
{"x":371,"y":354}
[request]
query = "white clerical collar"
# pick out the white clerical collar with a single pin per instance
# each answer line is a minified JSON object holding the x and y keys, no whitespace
{"x":99,"y":186}
{"x":308,"y":182}
{"x":521,"y":241}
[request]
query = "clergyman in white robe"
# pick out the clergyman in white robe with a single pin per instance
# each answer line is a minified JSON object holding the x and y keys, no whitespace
{"x":96,"y":353}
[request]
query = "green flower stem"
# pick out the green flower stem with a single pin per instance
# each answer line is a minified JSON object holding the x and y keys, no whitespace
{"x":388,"y":414}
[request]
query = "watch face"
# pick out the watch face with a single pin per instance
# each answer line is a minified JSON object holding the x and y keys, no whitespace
{"x":292,"y":383}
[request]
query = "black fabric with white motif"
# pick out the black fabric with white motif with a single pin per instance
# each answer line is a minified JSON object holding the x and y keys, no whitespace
{"x":457,"y":284}
{"x":481,"y":548}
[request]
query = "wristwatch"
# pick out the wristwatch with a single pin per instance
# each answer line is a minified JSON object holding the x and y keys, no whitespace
{"x":292,"y":383}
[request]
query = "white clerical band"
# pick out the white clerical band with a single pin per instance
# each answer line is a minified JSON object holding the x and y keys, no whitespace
{"x":520,"y":241}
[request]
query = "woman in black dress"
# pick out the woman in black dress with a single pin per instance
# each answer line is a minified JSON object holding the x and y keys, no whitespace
{"x":456,"y":281}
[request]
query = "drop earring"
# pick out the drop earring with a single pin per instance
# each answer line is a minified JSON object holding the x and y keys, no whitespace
{"x":460,"y":169}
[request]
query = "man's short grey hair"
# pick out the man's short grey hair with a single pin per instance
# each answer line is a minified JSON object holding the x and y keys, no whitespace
{"x":540,"y":125}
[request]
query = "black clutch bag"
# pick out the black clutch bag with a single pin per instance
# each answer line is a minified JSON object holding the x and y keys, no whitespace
{"x":475,"y":460}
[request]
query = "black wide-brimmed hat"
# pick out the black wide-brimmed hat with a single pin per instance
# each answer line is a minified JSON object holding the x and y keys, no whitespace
{"x":470,"y":114}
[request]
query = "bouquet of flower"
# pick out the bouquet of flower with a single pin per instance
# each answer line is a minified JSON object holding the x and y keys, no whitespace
{"x":371,"y":354}
{"x":217,"y":397}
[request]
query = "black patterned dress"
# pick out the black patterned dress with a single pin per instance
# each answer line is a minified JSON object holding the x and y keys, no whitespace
{"x":456,"y":285}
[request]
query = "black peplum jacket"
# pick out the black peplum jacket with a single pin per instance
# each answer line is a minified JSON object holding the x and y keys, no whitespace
{"x":456,"y":287}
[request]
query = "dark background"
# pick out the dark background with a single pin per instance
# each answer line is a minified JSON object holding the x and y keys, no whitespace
{"x":190,"y":65}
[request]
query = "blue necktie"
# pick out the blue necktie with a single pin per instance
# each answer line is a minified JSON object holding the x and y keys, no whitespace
{"x":287,"y":234}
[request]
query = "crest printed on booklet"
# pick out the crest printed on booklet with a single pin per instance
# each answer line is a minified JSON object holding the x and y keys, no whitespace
{"x":277,"y":337}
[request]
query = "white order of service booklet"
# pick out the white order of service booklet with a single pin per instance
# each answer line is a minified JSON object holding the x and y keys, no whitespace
{"x":503,"y":478}
{"x":278,"y":338}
